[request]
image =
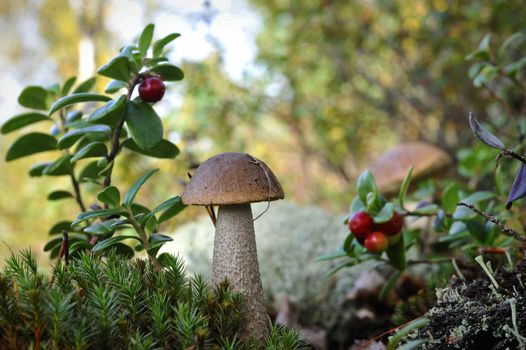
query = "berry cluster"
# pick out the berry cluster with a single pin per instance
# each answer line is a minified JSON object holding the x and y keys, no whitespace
{"x":375,"y":238}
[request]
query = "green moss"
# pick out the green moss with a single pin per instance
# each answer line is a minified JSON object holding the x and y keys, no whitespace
{"x":113,"y":303}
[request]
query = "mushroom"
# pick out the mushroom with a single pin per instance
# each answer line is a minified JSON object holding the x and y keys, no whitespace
{"x":390,"y":169}
{"x":232,"y":181}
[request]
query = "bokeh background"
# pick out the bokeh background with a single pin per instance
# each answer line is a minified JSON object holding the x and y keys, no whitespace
{"x":316,"y":88}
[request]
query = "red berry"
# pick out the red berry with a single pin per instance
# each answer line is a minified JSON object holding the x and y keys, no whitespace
{"x":376,"y":242}
{"x":151,"y":89}
{"x":360,"y":224}
{"x":393,"y":226}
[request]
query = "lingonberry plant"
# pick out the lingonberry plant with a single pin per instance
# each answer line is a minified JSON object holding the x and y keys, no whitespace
{"x":467,"y":219}
{"x":87,"y":139}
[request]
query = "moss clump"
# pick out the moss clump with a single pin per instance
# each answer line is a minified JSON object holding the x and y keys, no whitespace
{"x":113,"y":303}
{"x":477,"y":315}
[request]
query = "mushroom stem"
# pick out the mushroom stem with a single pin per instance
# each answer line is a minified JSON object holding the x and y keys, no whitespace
{"x":235,"y":258}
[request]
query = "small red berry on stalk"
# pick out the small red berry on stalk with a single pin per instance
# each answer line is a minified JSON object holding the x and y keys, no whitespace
{"x":393,"y":226}
{"x":360,"y":224}
{"x":376,"y":242}
{"x":151,"y":89}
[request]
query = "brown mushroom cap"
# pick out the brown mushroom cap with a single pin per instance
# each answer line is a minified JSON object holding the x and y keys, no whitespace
{"x":389,"y":170}
{"x":232,"y":178}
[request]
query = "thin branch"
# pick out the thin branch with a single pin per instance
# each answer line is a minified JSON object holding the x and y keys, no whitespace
{"x":76,"y":189}
{"x":511,"y":153}
{"x":144,"y":239}
{"x":115,"y":144}
{"x":505,"y":229}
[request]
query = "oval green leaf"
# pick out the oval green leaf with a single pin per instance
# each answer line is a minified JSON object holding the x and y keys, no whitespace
{"x":37,"y":169}
{"x":85,"y":86}
{"x":77,"y":98}
{"x":34,"y":97}
{"x":168,"y":72}
{"x":69,"y":139}
{"x":107,"y":243}
{"x":132,"y":192}
{"x":145,"y":126}
{"x":164,"y":149}
{"x":97,"y":214}
{"x":110,"y":195}
{"x":118,"y":68}
{"x":21,"y":120}
{"x":110,"y":113}
{"x":68,"y":85}
{"x":61,"y":166}
{"x":94,"y":149}
{"x":114,"y":86}
{"x":59,"y":227}
{"x":30,"y":144}
{"x":159,"y":45}
{"x":57,"y":195}
{"x":146,"y":38}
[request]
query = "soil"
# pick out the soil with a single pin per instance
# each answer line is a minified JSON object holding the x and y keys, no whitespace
{"x":476,"y":315}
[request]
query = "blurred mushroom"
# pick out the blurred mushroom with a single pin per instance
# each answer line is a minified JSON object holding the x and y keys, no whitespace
{"x":389,"y":170}
{"x":232,"y":181}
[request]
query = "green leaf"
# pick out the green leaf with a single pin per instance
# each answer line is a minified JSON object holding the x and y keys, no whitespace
{"x":94,"y":149}
{"x":68,"y":85}
{"x":110,"y":195}
{"x":37,"y":169}
{"x":132,"y":192}
{"x":56,"y":195}
{"x":69,"y":138}
{"x":450,"y":198}
{"x":385,"y":214}
{"x":155,"y":61}
{"x":396,"y":254}
{"x":413,"y":344}
{"x":98,"y":214}
{"x":60,"y":226}
{"x":389,"y":285}
{"x":53,"y":89}
{"x":405,"y":186}
{"x":172,"y":211}
{"x":426,"y":210}
{"x":164,"y":149}
{"x":34,"y":97}
{"x":159,"y":45}
{"x":107,"y":243}
{"x":61,"y":166}
{"x":118,"y":68}
{"x":102,"y":228}
{"x":404,"y":331}
{"x":515,"y":67}
{"x":53,"y":243}
{"x":366,"y":185}
{"x":170,"y":203}
{"x":79,"y":245}
{"x":85,"y":86}
{"x":21,"y":120}
{"x":77,"y":98}
{"x":89,"y":172}
{"x":168,"y":72}
{"x":72,"y":117}
{"x":145,"y":126}
{"x":159,"y":238}
{"x":114,"y":86}
{"x":146,"y":38}
{"x":30,"y":144}
{"x":110,"y":113}
{"x":477,"y":230}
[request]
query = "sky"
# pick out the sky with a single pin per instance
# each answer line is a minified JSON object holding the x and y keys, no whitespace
{"x":230,"y":24}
